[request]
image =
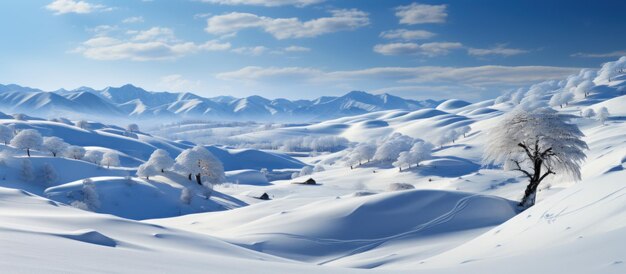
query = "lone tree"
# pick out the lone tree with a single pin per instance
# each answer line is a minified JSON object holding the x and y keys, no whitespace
{"x":27,"y":139}
{"x":537,"y":143}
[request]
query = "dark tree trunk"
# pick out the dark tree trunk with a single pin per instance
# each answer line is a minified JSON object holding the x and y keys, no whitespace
{"x":189,"y":177}
{"x":199,"y":179}
{"x":162,"y":171}
{"x":28,"y":152}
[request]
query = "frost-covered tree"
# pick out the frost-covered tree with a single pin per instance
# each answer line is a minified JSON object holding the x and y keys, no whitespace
{"x":404,"y":158}
{"x":419,"y":152}
{"x":199,"y":162}
{"x":75,"y":152}
{"x":146,"y":170}
{"x":55,"y":145}
{"x":603,"y":115}
{"x":464,"y":130}
{"x":161,"y":160}
{"x":91,"y":199}
{"x":26,"y":171}
{"x":364,"y":152}
{"x":82,"y":124}
{"x":318,"y":168}
{"x":537,"y":143}
{"x":589,"y":113}
{"x":448,"y":136}
{"x":48,"y":174}
{"x":306,"y":170}
{"x":583,"y":88}
{"x":93,"y":156}
{"x":132,"y":128}
{"x":27,"y":139}
{"x":110,"y":158}
{"x":610,"y":70}
{"x":391,"y":147}
{"x":186,"y":195}
{"x":6,"y":134}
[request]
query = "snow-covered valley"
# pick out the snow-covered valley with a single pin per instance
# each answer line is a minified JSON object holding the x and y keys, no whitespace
{"x":127,"y":199}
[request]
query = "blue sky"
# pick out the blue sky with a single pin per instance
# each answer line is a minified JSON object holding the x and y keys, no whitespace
{"x":306,"y":48}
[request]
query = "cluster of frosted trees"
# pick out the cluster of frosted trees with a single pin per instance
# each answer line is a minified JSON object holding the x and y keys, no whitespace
{"x":602,"y":115}
{"x":400,"y":150}
{"x":577,"y":86}
{"x":31,"y":139}
{"x":196,"y":163}
{"x":317,"y":144}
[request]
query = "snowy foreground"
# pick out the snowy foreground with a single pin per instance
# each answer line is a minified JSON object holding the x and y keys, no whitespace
{"x":452,"y":214}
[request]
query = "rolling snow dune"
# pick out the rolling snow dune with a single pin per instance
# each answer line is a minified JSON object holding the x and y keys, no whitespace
{"x":329,"y":229}
{"x":39,"y":235}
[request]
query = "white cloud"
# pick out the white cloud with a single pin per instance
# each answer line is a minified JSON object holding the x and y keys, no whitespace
{"x":426,"y":49}
{"x":154,"y":34}
{"x":267,"y":3}
{"x":253,"y":51}
{"x":71,"y":6}
{"x":618,"y":53}
{"x":498,"y":50}
{"x":421,"y":13}
{"x":477,"y":76}
{"x":132,"y":20}
{"x":284,"y":28}
{"x":178,"y":83}
{"x":296,"y":49}
{"x":406,"y":35}
{"x":152,"y":44}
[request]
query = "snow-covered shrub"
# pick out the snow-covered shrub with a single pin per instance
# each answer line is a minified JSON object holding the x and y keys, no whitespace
{"x":306,"y":170}
{"x":589,"y":113}
{"x":132,"y":128}
{"x":26,"y":171}
{"x":399,"y":186}
{"x":186,"y":195}
{"x":6,"y":134}
{"x":537,"y":143}
{"x":110,"y":158}
{"x":91,"y":199}
{"x":20,"y":116}
{"x":27,"y":139}
{"x":318,"y":168}
{"x":603,"y":115}
{"x":93,"y":156}
{"x":75,"y":152}
{"x":48,"y":174}
{"x":55,"y":145}
{"x":161,"y":160}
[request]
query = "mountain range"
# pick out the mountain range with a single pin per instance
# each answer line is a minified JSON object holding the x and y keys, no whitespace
{"x":135,"y":102}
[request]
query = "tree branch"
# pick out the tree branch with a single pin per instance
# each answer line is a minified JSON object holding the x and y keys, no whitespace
{"x":519,"y":168}
{"x":522,"y":145}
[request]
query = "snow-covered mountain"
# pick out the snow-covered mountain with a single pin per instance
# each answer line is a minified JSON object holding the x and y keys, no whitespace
{"x":132,"y":101}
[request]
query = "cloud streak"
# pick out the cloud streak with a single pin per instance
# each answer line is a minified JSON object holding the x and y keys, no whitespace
{"x":286,"y":28}
{"x":415,"y":13}
{"x":71,"y":6}
{"x":266,"y":3}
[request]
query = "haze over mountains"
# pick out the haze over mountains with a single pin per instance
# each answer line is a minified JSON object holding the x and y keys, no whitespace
{"x":135,"y":102}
